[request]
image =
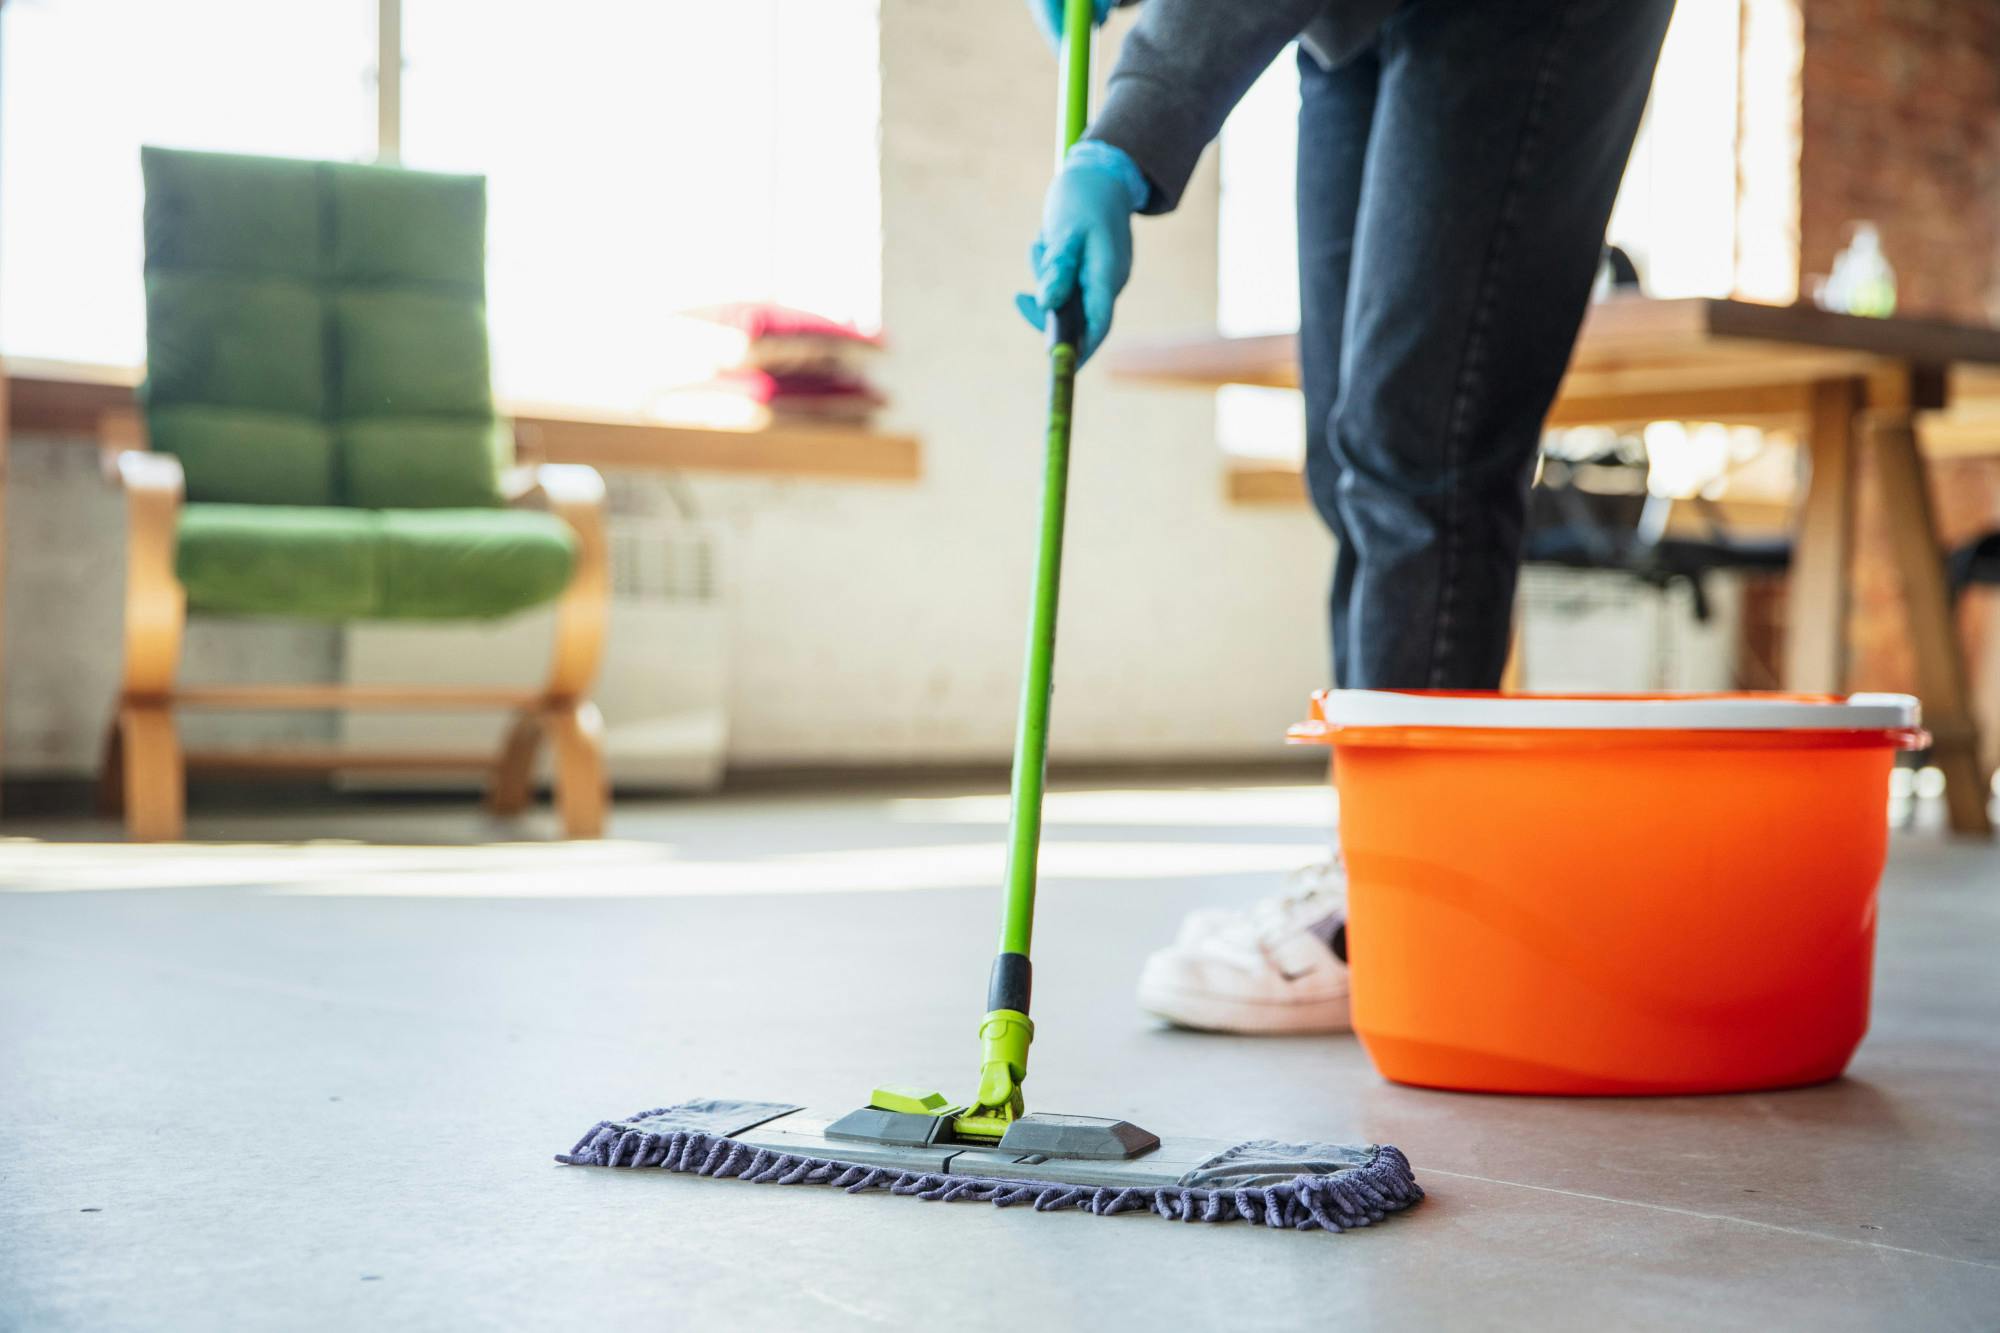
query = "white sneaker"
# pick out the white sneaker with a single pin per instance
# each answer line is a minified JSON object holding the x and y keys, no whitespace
{"x":1318,"y":890}
{"x":1269,"y":970}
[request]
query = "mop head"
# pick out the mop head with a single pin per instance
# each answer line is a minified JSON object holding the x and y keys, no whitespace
{"x":1299,"y":1187}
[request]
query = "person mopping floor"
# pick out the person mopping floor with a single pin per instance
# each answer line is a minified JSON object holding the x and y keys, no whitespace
{"x":1457,"y":164}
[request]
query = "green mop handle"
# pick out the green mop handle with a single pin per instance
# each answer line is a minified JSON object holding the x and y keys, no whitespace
{"x":1006,"y":1031}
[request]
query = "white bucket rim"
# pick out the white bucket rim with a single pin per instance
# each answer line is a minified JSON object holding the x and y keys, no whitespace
{"x":1528,"y":712}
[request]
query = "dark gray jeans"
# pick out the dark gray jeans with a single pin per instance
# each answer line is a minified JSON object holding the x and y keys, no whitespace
{"x":1455,"y":179}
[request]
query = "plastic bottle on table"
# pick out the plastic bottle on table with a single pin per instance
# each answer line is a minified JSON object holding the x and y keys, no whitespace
{"x":1862,"y":282}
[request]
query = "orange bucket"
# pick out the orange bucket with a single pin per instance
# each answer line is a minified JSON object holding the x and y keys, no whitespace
{"x":1598,"y":894}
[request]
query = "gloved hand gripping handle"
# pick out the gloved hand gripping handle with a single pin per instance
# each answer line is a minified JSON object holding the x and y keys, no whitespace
{"x":1067,"y":328}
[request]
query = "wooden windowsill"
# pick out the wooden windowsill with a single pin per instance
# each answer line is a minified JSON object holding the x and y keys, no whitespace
{"x":68,"y":399}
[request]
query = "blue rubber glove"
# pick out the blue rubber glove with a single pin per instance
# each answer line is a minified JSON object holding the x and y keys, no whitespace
{"x":1086,"y":239}
{"x":1049,"y":17}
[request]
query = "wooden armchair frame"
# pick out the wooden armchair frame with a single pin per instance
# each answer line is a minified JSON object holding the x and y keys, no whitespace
{"x":144,"y":772}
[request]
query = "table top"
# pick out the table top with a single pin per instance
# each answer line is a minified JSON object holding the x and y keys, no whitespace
{"x":1630,"y":344}
{"x":1691,"y":359}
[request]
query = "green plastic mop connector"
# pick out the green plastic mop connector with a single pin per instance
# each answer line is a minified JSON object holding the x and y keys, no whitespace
{"x":907,"y":1099}
{"x":1004,"y":1035}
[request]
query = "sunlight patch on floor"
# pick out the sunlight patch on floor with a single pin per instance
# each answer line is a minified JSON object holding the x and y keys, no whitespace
{"x":1309,"y":807}
{"x":27,"y":866}
{"x":607,"y":870}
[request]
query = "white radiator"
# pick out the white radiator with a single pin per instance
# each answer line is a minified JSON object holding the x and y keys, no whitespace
{"x":662,"y":689}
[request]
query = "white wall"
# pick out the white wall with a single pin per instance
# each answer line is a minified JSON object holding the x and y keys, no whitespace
{"x":883,"y":624}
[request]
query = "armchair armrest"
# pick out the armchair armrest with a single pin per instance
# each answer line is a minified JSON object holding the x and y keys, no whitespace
{"x":155,"y":605}
{"x":147,"y":478}
{"x":575,"y":494}
{"x":554,"y":486}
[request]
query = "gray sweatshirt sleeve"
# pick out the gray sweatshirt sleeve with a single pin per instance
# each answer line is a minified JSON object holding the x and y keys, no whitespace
{"x":1186,"y":63}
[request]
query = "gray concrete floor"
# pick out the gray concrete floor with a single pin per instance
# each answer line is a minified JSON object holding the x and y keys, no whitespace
{"x":317,"y":1085}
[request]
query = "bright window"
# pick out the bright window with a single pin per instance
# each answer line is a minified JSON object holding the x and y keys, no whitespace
{"x":1676,"y":211}
{"x":642,"y":159}
{"x":1257,"y":288}
{"x":86,"y":82}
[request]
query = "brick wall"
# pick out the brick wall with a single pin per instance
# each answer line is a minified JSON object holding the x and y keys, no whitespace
{"x":1901,"y":125}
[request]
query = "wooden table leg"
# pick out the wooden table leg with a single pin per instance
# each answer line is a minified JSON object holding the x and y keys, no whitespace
{"x":1941,"y":674}
{"x":1986,"y":692}
{"x":1515,"y":673}
{"x":1816,"y":615}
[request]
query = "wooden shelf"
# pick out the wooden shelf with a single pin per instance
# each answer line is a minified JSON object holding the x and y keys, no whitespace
{"x":69,"y":398}
{"x":848,"y":453}
{"x":1249,"y":481}
{"x":64,"y":397}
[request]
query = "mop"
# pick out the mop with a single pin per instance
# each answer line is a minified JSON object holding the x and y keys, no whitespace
{"x":915,"y":1141}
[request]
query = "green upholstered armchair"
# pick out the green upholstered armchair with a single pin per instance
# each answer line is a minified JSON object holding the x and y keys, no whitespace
{"x":324,"y":445}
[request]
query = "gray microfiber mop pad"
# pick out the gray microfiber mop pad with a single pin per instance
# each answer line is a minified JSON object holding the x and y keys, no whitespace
{"x":1300,"y":1186}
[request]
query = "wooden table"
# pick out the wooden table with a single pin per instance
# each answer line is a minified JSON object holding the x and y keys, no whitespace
{"x":1840,"y":379}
